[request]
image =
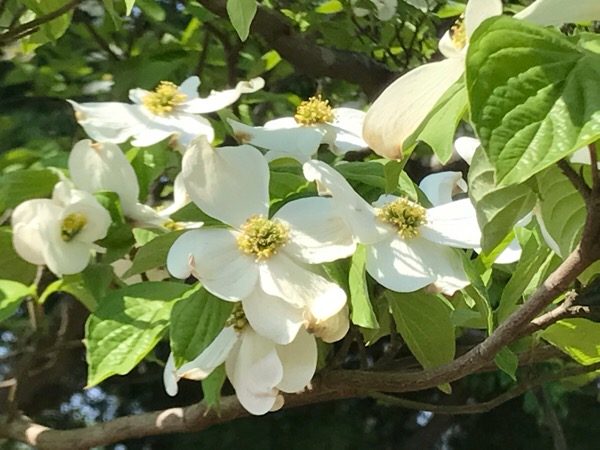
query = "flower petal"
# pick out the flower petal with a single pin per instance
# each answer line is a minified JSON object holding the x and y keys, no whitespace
{"x":317,"y":233}
{"x":281,"y":277}
{"x":65,"y":258}
{"x":228,"y":183}
{"x":211,"y":357}
{"x":332,"y":329}
{"x":466,"y":146}
{"x":27,"y":221}
{"x":439,"y":187}
{"x":254,"y":370}
{"x":170,"y":378}
{"x":359,"y":215}
{"x":453,"y":224}
{"x":190,"y":87}
{"x":220,"y":99}
{"x":96,"y":167}
{"x":556,"y":12}
{"x":403,"y":106}
{"x":510,"y":254}
{"x":212,"y":256}
{"x":448,"y":48}
{"x":296,"y":143}
{"x":272,"y":317}
{"x":479,"y":10}
{"x":281,"y":123}
{"x":299,"y":361}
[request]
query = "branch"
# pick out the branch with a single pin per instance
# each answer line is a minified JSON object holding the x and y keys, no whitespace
{"x":594,"y":163}
{"x":309,"y":57}
{"x":576,"y":180}
{"x":26,"y":28}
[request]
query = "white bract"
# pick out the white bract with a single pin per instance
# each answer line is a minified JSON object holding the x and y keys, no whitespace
{"x":257,"y":367}
{"x":259,"y":261}
{"x":96,"y":167}
{"x":299,"y":137}
{"x":169,"y":110}
{"x":398,"y":112}
{"x":60,"y":232}
{"x":408,"y":246}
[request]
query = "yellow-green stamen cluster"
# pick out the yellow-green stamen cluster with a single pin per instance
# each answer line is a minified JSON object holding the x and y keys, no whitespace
{"x":164,"y":98}
{"x":262,"y":237}
{"x":313,"y":111}
{"x":72,"y":226}
{"x":458,"y":33}
{"x":405,"y":215}
{"x":237,"y":319}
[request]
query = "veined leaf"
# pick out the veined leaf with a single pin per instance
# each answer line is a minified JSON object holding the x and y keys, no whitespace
{"x":241,"y":13}
{"x":578,"y":338}
{"x":362,"y":310}
{"x":11,"y":295}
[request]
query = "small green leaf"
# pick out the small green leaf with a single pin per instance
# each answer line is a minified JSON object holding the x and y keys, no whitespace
{"x":578,"y":338}
{"x":153,"y":254}
{"x":21,"y":185}
{"x":212,"y":385}
{"x":11,"y":295}
{"x":129,"y":6}
{"x":152,"y":9}
{"x":424,"y":322}
{"x":392,"y":171}
{"x":241,"y":13}
{"x":126,"y":326}
{"x":12,"y":267}
{"x":533,"y":96}
{"x":362,"y":311}
{"x":330,"y":7}
{"x":195,"y":322}
{"x":507,"y":362}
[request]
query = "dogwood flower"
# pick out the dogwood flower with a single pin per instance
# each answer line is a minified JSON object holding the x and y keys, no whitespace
{"x":258,"y":368}
{"x":408,"y":246}
{"x":96,"y":167}
{"x":299,"y":137}
{"x":60,"y":232}
{"x":403,"y":106}
{"x":169,"y":110}
{"x":259,"y":261}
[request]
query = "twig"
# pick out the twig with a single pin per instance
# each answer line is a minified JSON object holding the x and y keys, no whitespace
{"x":552,"y":421}
{"x":594,"y":163}
{"x":576,"y":180}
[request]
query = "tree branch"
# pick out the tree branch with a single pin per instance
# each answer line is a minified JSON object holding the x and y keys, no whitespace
{"x":309,"y":57}
{"x":576,"y":180}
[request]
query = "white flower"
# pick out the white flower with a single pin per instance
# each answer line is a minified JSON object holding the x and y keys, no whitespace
{"x":60,"y":232}
{"x":96,"y":167}
{"x":408,"y":246}
{"x":156,"y":115}
{"x":259,"y":260}
{"x":403,"y":106}
{"x":257,"y":367}
{"x":299,"y":137}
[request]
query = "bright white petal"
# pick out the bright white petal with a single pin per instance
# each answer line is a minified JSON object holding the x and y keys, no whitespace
{"x":255,"y":370}
{"x":190,"y":87}
{"x":170,"y":378}
{"x":402,"y":107}
{"x":317,"y":233}
{"x":439,"y":187}
{"x":341,"y":141}
{"x":272,"y":317}
{"x":454,"y":224}
{"x":137,"y":95}
{"x":299,"y":361}
{"x":510,"y":254}
{"x":479,"y":10}
{"x":297,"y":143}
{"x":98,"y":219}
{"x":220,"y":99}
{"x":228,"y":183}
{"x":27,"y":221}
{"x":332,"y":329}
{"x":466,"y":146}
{"x":66,"y":258}
{"x":281,"y":277}
{"x":557,"y":12}
{"x":186,"y":127}
{"x":212,"y":256}
{"x":96,"y":167}
{"x":359,"y":215}
{"x":212,"y":357}
{"x":180,"y":197}
{"x":448,"y":49}
{"x":281,"y":123}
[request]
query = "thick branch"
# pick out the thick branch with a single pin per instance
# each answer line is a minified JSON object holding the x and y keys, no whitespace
{"x":309,"y":57}
{"x":576,"y":180}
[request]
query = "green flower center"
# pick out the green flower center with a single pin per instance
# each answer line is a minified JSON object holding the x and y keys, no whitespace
{"x":314,"y":110}
{"x":72,"y":226}
{"x":262,"y":237}
{"x":237,"y":319}
{"x":164,"y":98}
{"x":458,"y":33}
{"x":406,"y":216}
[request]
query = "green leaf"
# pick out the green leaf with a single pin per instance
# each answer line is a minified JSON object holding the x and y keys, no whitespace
{"x":212,"y":385}
{"x":152,"y":9}
{"x":129,"y":6}
{"x":507,"y":362}
{"x":563,"y":209}
{"x":153,"y":254}
{"x":578,"y":338}
{"x":392,"y":171}
{"x":12,"y":267}
{"x":479,"y":294}
{"x":16,"y":187}
{"x":195,"y":322}
{"x":51,"y":30}
{"x":119,"y":234}
{"x":362,"y":311}
{"x":241,"y":13}
{"x":533,"y":96}
{"x":330,"y":7}
{"x":498,"y":208}
{"x":439,"y":127}
{"x":11,"y":295}
{"x":424,"y":322}
{"x":126,"y":326}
